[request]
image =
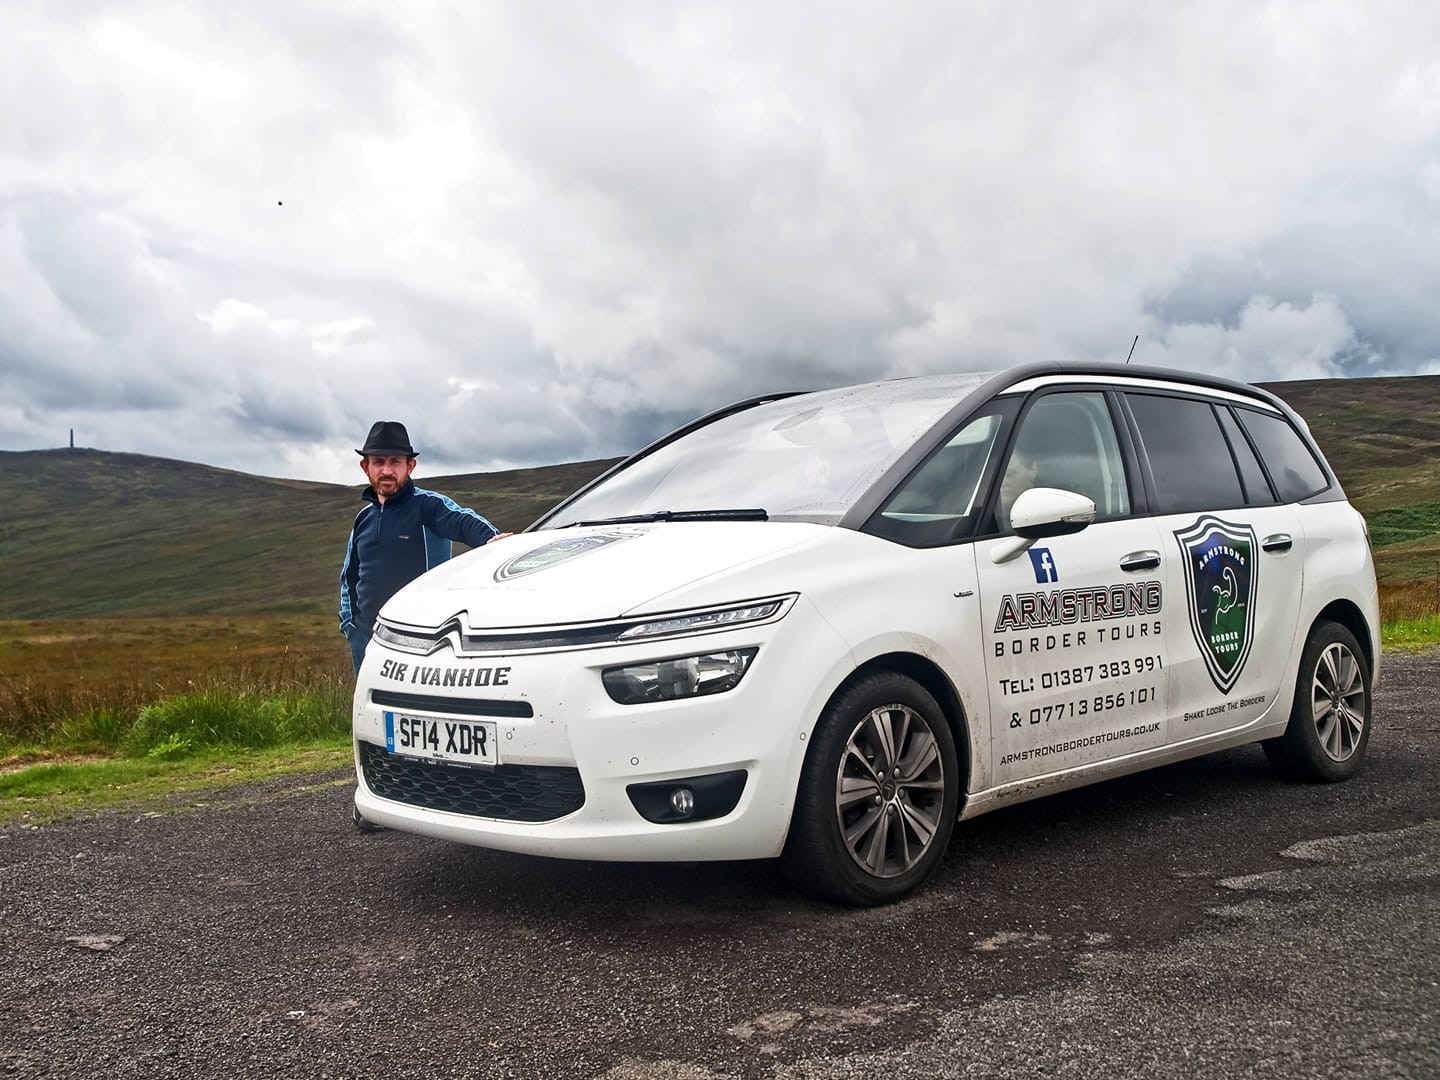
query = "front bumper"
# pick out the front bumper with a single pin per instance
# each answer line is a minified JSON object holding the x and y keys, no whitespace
{"x":561,"y":786}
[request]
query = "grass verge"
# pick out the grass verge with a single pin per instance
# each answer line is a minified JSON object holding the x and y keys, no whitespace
{"x":1411,"y":634}
{"x":98,"y":749}
{"x":48,"y":791}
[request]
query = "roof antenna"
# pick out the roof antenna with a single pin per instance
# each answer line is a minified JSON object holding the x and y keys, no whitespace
{"x":1132,"y":348}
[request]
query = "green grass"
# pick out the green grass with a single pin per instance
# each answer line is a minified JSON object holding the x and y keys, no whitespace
{"x":94,"y":714}
{"x":1411,"y":634}
{"x":1404,"y":524}
{"x":82,"y":685}
{"x":55,"y":790}
{"x":222,"y":718}
{"x":215,"y":717}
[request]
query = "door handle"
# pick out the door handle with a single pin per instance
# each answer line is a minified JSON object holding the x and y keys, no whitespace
{"x":1140,"y":560}
{"x":1277,"y":542}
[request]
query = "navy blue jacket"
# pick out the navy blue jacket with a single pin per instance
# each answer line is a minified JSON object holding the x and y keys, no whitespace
{"x":394,"y":542}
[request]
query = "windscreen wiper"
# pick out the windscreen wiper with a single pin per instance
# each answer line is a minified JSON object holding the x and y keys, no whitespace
{"x":752,"y":514}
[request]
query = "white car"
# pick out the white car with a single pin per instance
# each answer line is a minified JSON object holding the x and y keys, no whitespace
{"x":824,"y":627}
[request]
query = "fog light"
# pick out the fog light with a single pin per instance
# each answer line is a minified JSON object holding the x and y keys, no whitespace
{"x":682,"y":801}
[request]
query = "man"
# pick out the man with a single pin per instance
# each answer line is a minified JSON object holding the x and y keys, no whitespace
{"x":1019,"y":478}
{"x":399,"y":533}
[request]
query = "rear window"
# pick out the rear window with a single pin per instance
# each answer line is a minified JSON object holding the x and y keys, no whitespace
{"x":1293,"y":468}
{"x":1189,"y":458}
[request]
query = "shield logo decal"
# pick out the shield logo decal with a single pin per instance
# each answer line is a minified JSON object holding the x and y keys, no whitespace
{"x":1221,"y":579}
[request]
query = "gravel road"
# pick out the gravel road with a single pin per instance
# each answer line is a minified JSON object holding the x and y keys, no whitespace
{"x":1206,"y":919}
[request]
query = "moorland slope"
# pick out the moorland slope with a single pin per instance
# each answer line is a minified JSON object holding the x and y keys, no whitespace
{"x":90,"y":532}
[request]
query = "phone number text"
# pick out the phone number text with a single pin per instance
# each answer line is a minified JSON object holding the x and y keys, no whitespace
{"x":1080,"y":674}
{"x":1086,"y":706}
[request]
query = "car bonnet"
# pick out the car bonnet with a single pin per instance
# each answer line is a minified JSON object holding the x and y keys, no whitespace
{"x":567,"y":576}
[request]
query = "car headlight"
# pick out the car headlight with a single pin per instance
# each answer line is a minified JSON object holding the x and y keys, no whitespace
{"x":679,"y":677}
{"x":702,"y":620}
{"x":422,"y":642}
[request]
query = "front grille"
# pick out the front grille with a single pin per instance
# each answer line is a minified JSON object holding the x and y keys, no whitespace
{"x":463,"y":706}
{"x":506,"y":792}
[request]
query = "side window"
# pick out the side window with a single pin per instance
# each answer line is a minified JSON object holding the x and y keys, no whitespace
{"x":1189,"y":457}
{"x":1257,"y":488}
{"x":940,"y":496}
{"x":1292,"y":467}
{"x":1067,"y":440}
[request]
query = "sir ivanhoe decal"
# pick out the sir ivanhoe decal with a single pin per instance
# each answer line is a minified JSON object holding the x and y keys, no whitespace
{"x":1222,"y":581}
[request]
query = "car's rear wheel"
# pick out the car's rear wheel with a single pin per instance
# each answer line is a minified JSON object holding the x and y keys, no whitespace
{"x":1329,"y":724}
{"x":878,"y":796}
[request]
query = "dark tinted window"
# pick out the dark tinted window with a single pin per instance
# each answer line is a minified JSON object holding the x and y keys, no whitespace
{"x":1292,"y":467}
{"x":1189,"y":457}
{"x":1257,"y":491}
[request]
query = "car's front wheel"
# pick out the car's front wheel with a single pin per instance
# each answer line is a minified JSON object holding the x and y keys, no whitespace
{"x":1329,"y":724}
{"x":878,"y":796}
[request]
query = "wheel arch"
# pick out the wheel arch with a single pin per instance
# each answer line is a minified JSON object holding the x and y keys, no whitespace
{"x":1348,"y":615}
{"x":928,"y":674}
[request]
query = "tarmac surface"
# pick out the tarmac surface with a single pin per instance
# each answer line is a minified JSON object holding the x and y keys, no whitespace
{"x":1204,"y":919}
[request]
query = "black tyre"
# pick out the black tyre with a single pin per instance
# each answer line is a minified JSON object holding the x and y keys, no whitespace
{"x":1330,"y":720}
{"x":878,"y":796}
{"x":361,"y":824}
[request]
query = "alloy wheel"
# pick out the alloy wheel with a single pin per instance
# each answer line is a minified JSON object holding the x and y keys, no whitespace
{"x":889,"y":790}
{"x":1338,"y":702}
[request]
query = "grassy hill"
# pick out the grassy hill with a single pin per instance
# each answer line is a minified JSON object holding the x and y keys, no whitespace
{"x":86,"y":532}
{"x":1382,"y":437}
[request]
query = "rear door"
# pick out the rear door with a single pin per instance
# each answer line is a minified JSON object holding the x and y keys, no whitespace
{"x":1234,"y":562}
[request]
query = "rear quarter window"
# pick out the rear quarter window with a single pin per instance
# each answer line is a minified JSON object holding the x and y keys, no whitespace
{"x":1257,"y":488}
{"x":1292,"y":467}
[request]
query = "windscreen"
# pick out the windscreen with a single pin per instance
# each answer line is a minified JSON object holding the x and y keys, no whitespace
{"x":802,"y":458}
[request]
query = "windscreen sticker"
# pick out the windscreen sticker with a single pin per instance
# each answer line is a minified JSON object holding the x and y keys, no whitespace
{"x":558,"y":551}
{"x":1222,"y":584}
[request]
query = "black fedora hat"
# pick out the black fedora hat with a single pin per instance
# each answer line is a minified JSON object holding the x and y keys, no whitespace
{"x":387,"y":437}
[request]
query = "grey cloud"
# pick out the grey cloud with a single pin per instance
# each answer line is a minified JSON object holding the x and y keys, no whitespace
{"x":78,"y":316}
{"x":1381,"y":263}
{"x":546,"y":232}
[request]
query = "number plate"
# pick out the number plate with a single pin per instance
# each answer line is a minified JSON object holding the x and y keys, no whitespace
{"x":461,"y":742}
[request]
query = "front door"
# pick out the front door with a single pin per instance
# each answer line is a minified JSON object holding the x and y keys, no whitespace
{"x":1077,"y":664}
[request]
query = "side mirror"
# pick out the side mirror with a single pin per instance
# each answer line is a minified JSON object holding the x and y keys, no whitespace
{"x":1043,"y":512}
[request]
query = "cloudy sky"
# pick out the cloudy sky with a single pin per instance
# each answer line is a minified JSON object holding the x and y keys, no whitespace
{"x":543,"y":232}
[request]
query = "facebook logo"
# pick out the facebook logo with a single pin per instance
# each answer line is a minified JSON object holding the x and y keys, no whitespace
{"x":1044,"y":565}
